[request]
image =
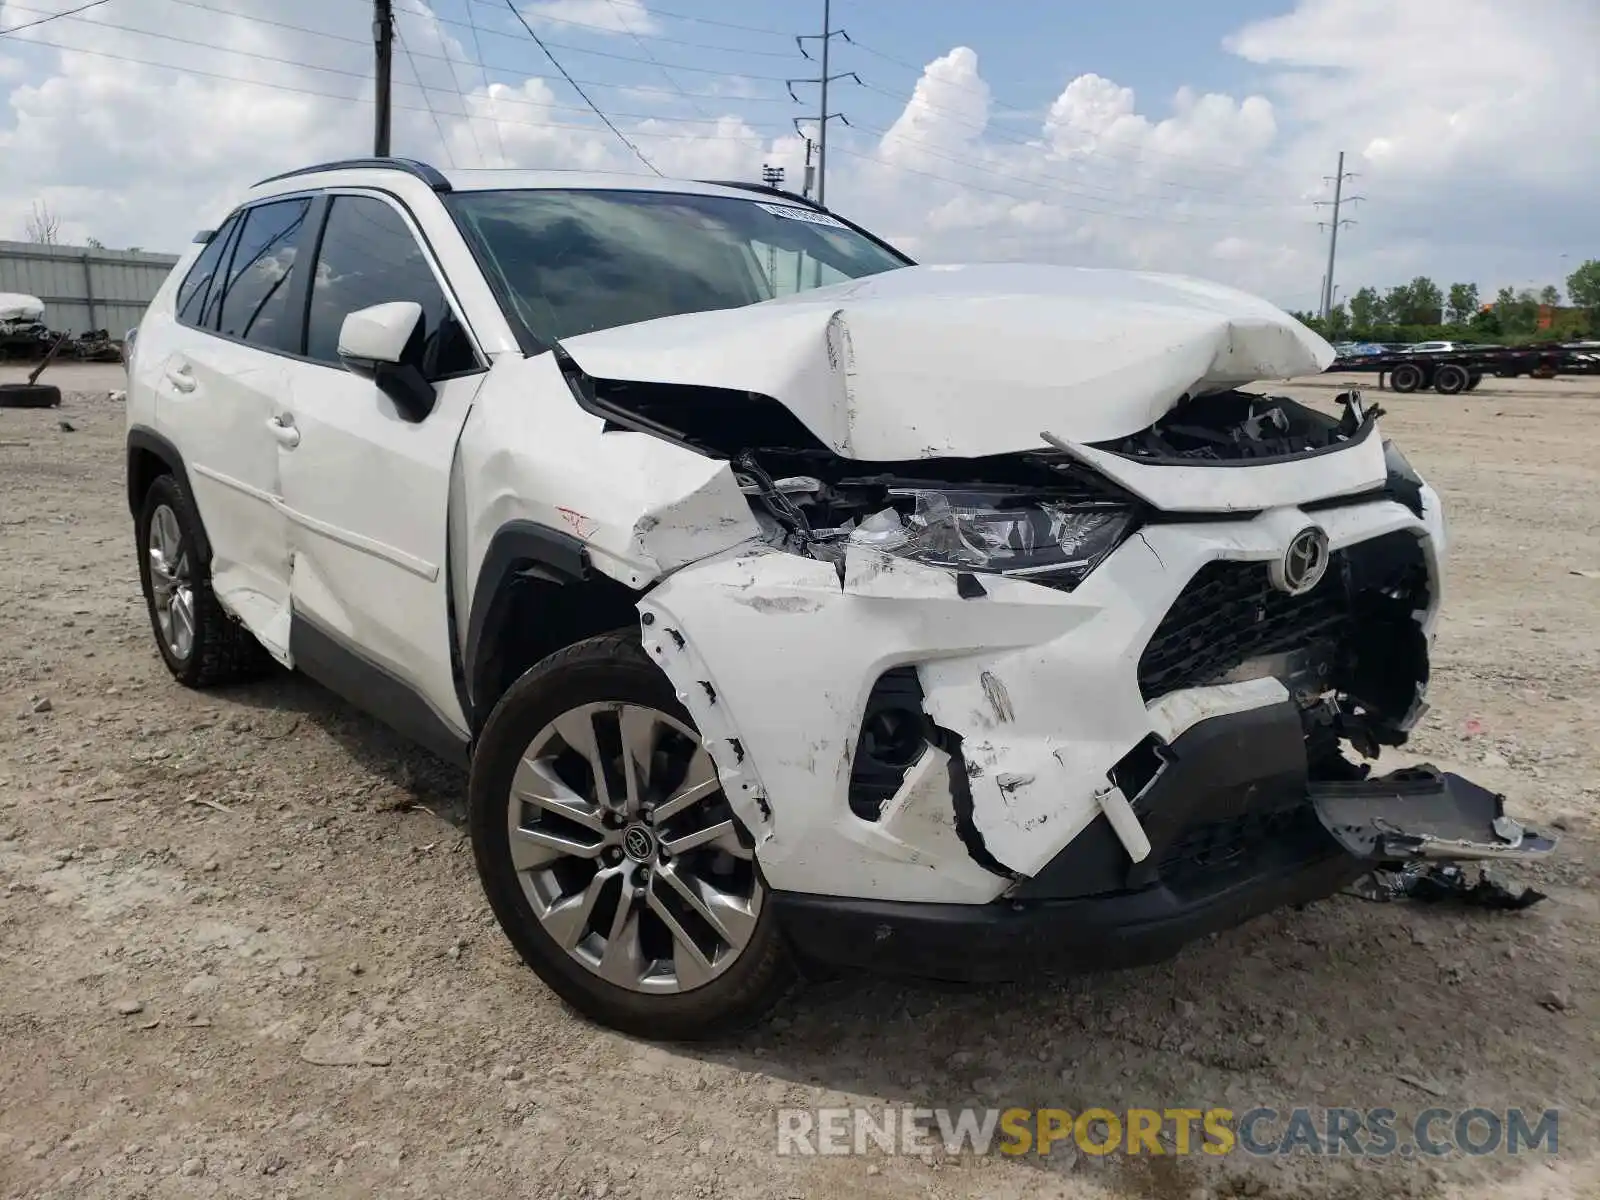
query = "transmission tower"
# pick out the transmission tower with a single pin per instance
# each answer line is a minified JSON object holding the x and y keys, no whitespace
{"x":823,"y":115}
{"x":1332,"y":226}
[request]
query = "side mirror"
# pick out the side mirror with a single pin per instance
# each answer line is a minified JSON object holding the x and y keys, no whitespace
{"x":376,"y":343}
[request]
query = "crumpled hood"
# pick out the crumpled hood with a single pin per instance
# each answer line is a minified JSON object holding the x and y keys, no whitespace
{"x":966,"y":361}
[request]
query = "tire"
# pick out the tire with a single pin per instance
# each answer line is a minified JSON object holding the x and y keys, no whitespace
{"x":1407,"y":377}
{"x":217,"y":649}
{"x":29,"y":395}
{"x":1474,"y":380}
{"x":579,"y":687}
{"x":1450,"y":379}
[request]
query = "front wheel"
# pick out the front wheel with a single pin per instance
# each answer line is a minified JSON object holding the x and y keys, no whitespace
{"x":610,"y":855}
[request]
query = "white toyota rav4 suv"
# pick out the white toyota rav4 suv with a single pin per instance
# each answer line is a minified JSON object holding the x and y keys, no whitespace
{"x":794,"y":604}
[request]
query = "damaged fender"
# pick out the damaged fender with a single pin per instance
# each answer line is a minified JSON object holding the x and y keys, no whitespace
{"x":641,"y":506}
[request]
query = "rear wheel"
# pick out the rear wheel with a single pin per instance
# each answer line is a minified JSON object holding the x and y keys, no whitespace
{"x":1450,"y":379}
{"x":610,"y":855}
{"x":1407,"y":377}
{"x":200,"y":643}
{"x":1474,"y":380}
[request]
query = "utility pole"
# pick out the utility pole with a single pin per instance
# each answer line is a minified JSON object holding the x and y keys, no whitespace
{"x":771,"y":176}
{"x":383,"y":45}
{"x":823,"y":115}
{"x":809,"y":180}
{"x":1339,"y":198}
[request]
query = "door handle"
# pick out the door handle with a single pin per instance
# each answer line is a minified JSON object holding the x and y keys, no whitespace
{"x":283,"y":429}
{"x":181,"y":378}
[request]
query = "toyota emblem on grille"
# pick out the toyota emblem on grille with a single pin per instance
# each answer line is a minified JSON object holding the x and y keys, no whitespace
{"x":1304,"y":563}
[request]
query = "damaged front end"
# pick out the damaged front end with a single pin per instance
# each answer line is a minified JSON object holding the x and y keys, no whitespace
{"x":1083,"y":703}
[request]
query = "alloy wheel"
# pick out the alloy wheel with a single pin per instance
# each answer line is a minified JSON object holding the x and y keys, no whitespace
{"x":626,"y":849}
{"x":171,"y":582}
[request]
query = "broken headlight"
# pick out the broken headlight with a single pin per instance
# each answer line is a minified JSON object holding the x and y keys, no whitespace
{"x":1055,"y":543}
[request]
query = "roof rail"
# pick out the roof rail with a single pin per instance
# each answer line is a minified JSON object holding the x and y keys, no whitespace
{"x":429,"y":175}
{"x":792,"y":197}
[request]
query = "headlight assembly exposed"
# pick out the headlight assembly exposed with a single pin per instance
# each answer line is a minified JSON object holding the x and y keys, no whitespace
{"x":1056,"y":543}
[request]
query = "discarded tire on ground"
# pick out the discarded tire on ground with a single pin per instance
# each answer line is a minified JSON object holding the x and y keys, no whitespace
{"x":29,"y":395}
{"x":1407,"y":377}
{"x":1451,"y":378}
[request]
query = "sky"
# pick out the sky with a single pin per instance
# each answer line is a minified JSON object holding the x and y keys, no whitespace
{"x":1163,"y":135}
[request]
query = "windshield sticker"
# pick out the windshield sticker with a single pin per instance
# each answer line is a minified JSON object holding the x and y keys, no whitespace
{"x":802,"y":214}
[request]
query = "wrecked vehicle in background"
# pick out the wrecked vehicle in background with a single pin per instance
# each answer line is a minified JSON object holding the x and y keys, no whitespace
{"x":794,"y":603}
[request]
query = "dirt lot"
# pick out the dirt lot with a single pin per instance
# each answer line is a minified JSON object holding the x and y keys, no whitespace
{"x":245,"y":952}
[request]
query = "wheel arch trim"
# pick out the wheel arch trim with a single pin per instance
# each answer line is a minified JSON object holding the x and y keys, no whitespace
{"x":143,"y":439}
{"x":518,"y":548}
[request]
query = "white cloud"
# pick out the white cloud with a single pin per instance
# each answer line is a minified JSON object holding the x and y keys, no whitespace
{"x":1484,"y":171}
{"x":605,"y":16}
{"x":948,"y":110}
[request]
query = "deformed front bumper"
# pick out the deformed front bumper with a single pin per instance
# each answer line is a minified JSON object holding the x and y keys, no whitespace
{"x":1237,"y":831}
{"x":1056,"y":812}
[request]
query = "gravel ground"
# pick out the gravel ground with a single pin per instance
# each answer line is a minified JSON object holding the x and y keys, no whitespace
{"x":245,"y":952}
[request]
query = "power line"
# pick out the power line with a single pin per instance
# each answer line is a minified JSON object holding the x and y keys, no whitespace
{"x":455,"y":85}
{"x":363,"y":75}
{"x":56,"y":16}
{"x":607,"y":29}
{"x":658,"y":12}
{"x":639,"y":154}
{"x":623,"y":21}
{"x":677,"y":16}
{"x":304,"y":91}
{"x":444,"y":142}
{"x":486,"y":65}
{"x":488,"y":86}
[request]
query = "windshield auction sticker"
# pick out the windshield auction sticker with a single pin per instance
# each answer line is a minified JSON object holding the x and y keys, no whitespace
{"x":802,"y":214}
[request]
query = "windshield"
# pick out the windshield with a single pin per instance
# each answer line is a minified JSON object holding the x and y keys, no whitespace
{"x":565,"y":262}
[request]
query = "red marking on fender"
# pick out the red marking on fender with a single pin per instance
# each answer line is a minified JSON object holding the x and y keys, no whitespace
{"x":580,"y":524}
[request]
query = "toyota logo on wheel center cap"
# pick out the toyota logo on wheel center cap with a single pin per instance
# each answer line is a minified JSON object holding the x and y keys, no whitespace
{"x":1304,"y":563}
{"x":638,"y":843}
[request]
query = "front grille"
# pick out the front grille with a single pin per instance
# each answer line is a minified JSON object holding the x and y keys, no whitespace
{"x":1230,"y":613}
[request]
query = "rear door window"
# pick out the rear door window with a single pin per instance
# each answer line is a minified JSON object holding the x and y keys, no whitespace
{"x":192,"y":292}
{"x":255,"y":307}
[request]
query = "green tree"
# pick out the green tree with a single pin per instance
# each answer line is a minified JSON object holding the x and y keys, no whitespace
{"x":1463,"y":303}
{"x":1338,"y":322}
{"x":1518,"y":311}
{"x":1366,"y":310}
{"x":1427,"y":302}
{"x":1550,"y":294}
{"x":1583,"y":285}
{"x":1396,"y":304}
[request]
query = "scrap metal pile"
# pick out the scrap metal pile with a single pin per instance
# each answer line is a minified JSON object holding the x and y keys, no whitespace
{"x":25,"y":337}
